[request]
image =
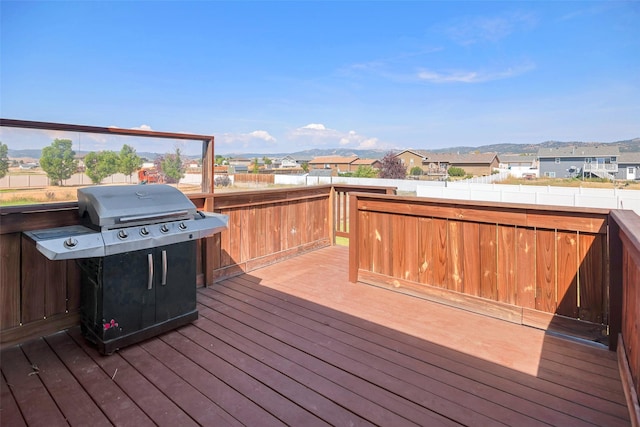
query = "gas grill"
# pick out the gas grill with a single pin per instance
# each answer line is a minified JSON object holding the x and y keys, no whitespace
{"x":136,"y":249}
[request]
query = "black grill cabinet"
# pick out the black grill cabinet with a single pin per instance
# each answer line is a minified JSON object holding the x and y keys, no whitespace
{"x":129,"y":297}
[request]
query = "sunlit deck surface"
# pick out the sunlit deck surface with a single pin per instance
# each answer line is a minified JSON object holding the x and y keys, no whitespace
{"x":296,"y":344}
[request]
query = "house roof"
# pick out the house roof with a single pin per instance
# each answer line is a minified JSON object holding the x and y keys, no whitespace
{"x":333,"y":159}
{"x":629,"y":158}
{"x":460,"y":159}
{"x":364,"y":162}
{"x":580,"y":151}
{"x":419,"y":153}
{"x":515,"y":158}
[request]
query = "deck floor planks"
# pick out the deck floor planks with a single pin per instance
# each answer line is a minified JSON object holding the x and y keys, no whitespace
{"x":371,"y":358}
{"x":385,"y":409}
{"x":204,"y":410}
{"x":28,"y":390}
{"x":238,"y":405}
{"x":278,"y":373}
{"x":325,"y":379}
{"x":9,"y":412}
{"x":355,"y":326}
{"x":445,"y":368}
{"x":68,"y":394}
{"x":482,"y":387}
{"x":110,"y":398}
{"x":296,"y":343}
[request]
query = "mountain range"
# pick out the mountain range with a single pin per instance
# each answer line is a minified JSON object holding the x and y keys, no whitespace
{"x":630,"y":145}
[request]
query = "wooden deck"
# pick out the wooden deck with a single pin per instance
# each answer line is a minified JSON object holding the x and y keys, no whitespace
{"x":296,"y":344}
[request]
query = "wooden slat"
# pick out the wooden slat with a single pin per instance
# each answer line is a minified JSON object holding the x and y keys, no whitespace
{"x":10,"y":280}
{"x":425,"y":251}
{"x":545,"y":271}
{"x":455,"y":259}
{"x":488,"y":261}
{"x":439,"y":245}
{"x":472,"y":276}
{"x":593,"y":258}
{"x":526,"y":267}
{"x":567,"y":291}
{"x":34,"y":282}
{"x":506,"y":265}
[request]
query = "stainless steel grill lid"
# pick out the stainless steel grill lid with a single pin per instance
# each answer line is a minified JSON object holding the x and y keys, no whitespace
{"x":125,"y":205}
{"x":127,"y":218}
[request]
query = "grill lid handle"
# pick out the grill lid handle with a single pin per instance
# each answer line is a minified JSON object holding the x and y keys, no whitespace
{"x":153,"y":216}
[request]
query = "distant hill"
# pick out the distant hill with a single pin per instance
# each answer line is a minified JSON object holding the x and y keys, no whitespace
{"x":627,"y":146}
{"x":631,"y":145}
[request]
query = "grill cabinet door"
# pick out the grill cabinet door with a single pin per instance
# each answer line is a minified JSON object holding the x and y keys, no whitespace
{"x":175,"y":280}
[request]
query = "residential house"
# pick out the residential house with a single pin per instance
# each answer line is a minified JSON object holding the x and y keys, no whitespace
{"x":412,"y":158}
{"x":476,"y":164}
{"x":519,"y":166}
{"x":628,"y":166}
{"x":337,"y":164}
{"x":566,"y":162}
{"x":373,"y":163}
{"x":239,"y":161}
{"x":288,"y":162}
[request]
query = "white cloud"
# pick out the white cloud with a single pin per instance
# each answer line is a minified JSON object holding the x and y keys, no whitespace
{"x":315,"y":126}
{"x":319,"y":134}
{"x":472,"y":76}
{"x":472,"y":30}
{"x":143,"y":127}
{"x":262,"y":134}
{"x":246,"y":139}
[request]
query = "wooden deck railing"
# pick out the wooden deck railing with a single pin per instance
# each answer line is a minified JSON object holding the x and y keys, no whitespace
{"x":526,"y":264}
{"x":40,"y":296}
{"x":625,"y":301}
{"x":341,"y":205}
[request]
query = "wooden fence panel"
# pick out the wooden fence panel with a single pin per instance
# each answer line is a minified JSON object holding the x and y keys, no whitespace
{"x":538,"y":263}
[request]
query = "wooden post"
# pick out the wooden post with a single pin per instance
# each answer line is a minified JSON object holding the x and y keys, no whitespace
{"x":615,"y":283}
{"x":354,"y":255}
{"x":332,"y":219}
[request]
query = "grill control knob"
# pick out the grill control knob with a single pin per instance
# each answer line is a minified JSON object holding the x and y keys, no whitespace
{"x":70,"y":243}
{"x":183,"y":226}
{"x":122,"y":234}
{"x":144,"y":231}
{"x":164,"y":228}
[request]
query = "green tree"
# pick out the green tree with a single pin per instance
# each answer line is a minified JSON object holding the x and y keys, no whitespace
{"x":128,"y":161}
{"x":365,"y":172}
{"x":456,"y":171}
{"x":267,"y":161}
{"x":100,"y":165}
{"x":4,"y":159}
{"x":305,"y":167}
{"x":57,"y":160}
{"x":256,"y":167}
{"x":171,"y":166}
{"x":219,"y":160}
{"x":416,"y":171}
{"x":392,"y":167}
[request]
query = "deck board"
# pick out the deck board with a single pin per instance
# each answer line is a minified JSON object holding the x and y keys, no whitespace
{"x":295,"y":343}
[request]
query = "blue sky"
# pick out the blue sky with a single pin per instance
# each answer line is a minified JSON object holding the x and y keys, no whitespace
{"x":275,"y":77}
